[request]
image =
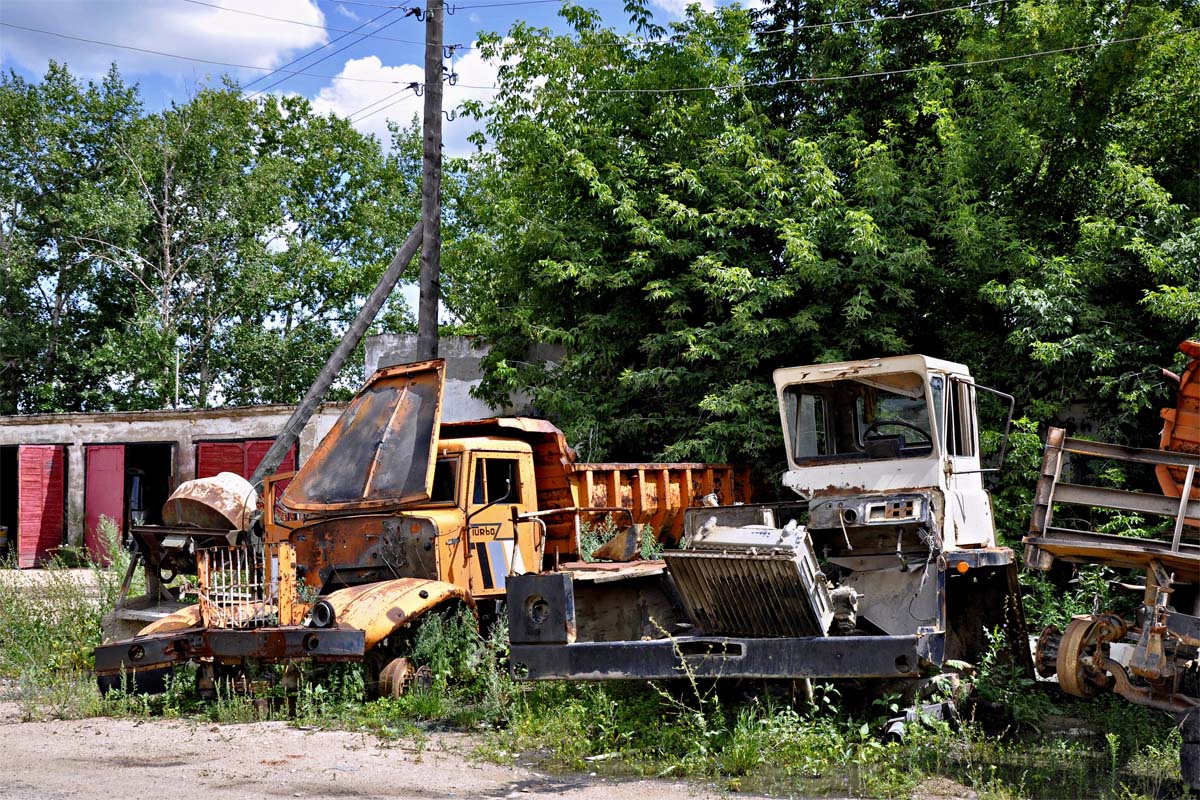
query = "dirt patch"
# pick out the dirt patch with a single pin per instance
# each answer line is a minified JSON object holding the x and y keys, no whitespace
{"x":943,"y":789}
{"x":106,"y":758}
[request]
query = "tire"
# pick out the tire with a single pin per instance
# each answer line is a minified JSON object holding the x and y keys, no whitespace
{"x":144,"y":681}
{"x":1189,"y":751}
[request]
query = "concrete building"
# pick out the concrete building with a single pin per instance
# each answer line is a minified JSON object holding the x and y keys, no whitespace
{"x":60,"y":473}
{"x":464,"y":372}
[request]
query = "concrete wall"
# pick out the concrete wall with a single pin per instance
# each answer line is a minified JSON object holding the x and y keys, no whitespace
{"x":183,"y":428}
{"x":463,"y":357}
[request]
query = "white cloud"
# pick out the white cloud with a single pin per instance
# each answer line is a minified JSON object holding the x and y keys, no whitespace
{"x":678,"y":8}
{"x":372,"y":104}
{"x":347,"y":13}
{"x":173,"y":26}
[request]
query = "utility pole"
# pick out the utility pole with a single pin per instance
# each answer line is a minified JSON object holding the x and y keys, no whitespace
{"x":431,"y":186}
{"x":316,"y":393}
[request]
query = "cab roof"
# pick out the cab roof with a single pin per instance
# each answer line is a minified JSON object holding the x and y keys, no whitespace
{"x":818,"y":373}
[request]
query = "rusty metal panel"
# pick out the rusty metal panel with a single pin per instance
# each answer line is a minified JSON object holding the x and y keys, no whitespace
{"x":380,"y":453}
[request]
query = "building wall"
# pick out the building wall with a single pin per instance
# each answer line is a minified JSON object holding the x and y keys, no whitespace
{"x":464,"y":357}
{"x":182,"y":428}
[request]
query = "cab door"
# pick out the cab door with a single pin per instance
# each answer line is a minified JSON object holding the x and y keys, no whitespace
{"x":968,"y":506}
{"x":493,"y":548}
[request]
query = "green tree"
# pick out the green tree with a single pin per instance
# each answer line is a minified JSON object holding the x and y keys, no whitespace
{"x":681,"y":242}
{"x":228,"y":239}
{"x":57,"y":145}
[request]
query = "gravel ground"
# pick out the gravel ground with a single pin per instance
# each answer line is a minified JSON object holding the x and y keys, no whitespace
{"x":109,"y":758}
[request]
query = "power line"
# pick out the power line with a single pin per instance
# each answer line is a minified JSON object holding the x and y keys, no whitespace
{"x":412,"y":87}
{"x":191,"y":58}
{"x":877,"y":74}
{"x":901,"y":17}
{"x":457,"y":7}
{"x":314,"y":50}
{"x":328,"y":56}
{"x":326,"y":28}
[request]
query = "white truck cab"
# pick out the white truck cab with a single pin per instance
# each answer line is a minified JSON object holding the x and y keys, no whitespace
{"x":899,"y":424}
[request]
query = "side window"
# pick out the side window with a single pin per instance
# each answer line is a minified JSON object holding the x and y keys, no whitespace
{"x":493,"y":479}
{"x":938,"y":385}
{"x":445,"y":481}
{"x":960,"y":418}
{"x":806,"y":420}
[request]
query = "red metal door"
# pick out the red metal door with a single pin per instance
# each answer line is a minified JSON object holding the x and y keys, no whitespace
{"x":104,"y":494}
{"x":215,"y":457}
{"x":240,"y":458}
{"x":42,"y":486}
{"x":257,"y":448}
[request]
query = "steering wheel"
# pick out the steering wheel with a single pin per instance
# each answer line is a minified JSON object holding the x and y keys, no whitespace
{"x":875,"y":426}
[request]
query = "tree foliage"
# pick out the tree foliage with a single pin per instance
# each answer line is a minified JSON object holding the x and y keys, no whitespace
{"x":237,"y":237}
{"x":686,"y":210}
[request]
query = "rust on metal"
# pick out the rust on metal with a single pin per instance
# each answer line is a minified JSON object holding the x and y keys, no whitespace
{"x":622,"y":547}
{"x":224,"y":501}
{"x":380,"y":453}
{"x":1181,"y":425}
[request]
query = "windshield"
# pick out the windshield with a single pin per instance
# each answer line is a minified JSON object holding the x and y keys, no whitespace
{"x":883,"y":416}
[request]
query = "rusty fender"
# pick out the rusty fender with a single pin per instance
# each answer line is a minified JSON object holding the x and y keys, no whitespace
{"x":380,"y":609}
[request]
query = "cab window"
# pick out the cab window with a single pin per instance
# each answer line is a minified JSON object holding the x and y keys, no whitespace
{"x":882,"y":416}
{"x":494,"y":478}
{"x":445,"y":481}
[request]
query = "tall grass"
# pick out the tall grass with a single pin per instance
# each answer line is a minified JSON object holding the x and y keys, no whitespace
{"x":49,"y":624}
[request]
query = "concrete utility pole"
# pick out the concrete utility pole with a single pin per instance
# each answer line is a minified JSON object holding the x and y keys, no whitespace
{"x":431,"y":186}
{"x":316,"y":393}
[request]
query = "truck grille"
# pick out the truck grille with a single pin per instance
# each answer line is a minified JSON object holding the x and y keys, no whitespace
{"x":238,"y":587}
{"x":752,"y":594}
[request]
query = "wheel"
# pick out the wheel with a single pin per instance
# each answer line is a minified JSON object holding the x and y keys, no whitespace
{"x":395,"y":676}
{"x":399,"y":676}
{"x":1073,"y":673}
{"x":142,"y":681}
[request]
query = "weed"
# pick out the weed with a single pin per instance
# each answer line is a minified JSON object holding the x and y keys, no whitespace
{"x":1005,"y":684}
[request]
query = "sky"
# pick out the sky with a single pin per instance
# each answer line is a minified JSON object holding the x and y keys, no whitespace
{"x":352,"y":75}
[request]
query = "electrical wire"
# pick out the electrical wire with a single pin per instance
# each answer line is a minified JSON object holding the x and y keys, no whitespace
{"x":328,"y":56}
{"x":326,"y":28}
{"x":190,"y":58}
{"x":854,"y":76}
{"x":456,"y":7}
{"x":314,"y":50}
{"x":379,"y":110}
{"x":660,"y":90}
{"x":351,"y":116}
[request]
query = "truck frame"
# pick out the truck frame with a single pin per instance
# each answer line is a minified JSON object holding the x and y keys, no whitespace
{"x":884,"y":566}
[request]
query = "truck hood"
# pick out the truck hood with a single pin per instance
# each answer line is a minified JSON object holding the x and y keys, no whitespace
{"x":380,"y":453}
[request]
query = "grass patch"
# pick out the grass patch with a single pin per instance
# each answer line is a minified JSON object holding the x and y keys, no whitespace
{"x":49,"y":625}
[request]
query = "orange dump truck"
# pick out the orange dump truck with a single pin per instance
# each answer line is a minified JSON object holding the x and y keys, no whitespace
{"x":397,"y":515}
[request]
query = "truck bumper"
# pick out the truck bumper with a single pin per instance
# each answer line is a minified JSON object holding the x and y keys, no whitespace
{"x":144,"y":653}
{"x":725,"y":657}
